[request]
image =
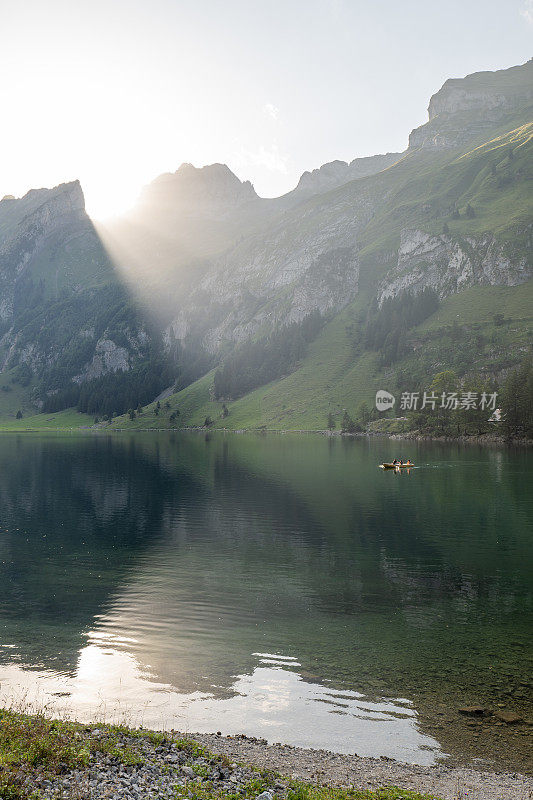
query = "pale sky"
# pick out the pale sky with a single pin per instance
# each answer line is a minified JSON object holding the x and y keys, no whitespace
{"x":115,"y":92}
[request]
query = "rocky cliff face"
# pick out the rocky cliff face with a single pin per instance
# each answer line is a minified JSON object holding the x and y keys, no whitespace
{"x":448,"y":265}
{"x":27,"y":226}
{"x":489,"y":92}
{"x":464,"y":108}
{"x":111,"y":357}
{"x":220,"y":265}
{"x":304,"y":263}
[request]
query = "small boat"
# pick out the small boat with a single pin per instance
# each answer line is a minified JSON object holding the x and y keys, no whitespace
{"x":396,"y":466}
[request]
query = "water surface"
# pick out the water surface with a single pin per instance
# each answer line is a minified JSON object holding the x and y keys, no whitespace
{"x":278,"y":586}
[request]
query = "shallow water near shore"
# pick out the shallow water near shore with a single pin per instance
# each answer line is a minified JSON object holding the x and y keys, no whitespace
{"x":278,"y":586}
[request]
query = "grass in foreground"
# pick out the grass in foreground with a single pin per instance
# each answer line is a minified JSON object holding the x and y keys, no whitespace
{"x":33,"y":747}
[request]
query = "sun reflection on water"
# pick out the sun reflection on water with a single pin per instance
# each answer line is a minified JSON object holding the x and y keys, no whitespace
{"x":273,"y":702}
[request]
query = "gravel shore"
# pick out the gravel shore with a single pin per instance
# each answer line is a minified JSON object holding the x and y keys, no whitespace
{"x":371,"y":773}
{"x":140,"y":765}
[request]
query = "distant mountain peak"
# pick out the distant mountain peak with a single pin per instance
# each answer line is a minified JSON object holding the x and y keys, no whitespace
{"x":212,"y":188}
{"x":336,"y":173}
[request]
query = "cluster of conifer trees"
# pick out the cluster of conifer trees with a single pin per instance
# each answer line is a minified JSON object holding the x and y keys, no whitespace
{"x":115,"y":392}
{"x":517,"y":402}
{"x":386,"y":327}
{"x":255,"y":363}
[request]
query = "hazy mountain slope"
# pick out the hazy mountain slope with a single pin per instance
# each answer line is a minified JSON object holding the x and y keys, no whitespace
{"x":320,"y":253}
{"x":188,"y":222}
{"x":47,"y":238}
{"x":64,"y":313}
{"x":335,"y":376}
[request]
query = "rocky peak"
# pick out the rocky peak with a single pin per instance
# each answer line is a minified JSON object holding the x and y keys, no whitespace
{"x":43,"y":207}
{"x":191,"y":189}
{"x":466,"y":107}
{"x":336,"y":173}
{"x":504,"y":90}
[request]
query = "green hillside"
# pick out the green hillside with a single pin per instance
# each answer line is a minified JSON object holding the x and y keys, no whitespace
{"x":331,"y":378}
{"x":483,"y":331}
{"x":495,"y":178}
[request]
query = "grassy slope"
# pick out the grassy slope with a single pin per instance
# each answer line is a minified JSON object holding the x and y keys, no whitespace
{"x":332,"y":378}
{"x":423,"y":189}
{"x":69,"y":419}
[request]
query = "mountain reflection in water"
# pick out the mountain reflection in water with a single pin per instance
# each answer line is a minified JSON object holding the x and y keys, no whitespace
{"x":143,"y":575}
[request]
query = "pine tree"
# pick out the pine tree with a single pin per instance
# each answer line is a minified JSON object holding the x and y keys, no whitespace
{"x":363,"y":413}
{"x":348,"y":425}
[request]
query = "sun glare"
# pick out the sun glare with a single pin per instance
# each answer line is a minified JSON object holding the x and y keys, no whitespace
{"x":108,"y":200}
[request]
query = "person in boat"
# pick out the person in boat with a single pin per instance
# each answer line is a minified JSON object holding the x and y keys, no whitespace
{"x":395,"y":461}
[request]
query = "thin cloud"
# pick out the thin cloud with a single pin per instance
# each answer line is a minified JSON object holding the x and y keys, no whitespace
{"x":268,"y":157}
{"x":271,"y":110}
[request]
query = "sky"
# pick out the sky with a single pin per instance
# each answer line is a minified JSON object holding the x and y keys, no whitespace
{"x":116,"y":92}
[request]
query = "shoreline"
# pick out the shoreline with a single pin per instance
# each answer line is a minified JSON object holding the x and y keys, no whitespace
{"x":50,"y":758}
{"x":339,"y":769}
{"x":413,"y":436}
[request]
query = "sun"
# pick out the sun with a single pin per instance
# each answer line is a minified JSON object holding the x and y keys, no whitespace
{"x":105,"y":200}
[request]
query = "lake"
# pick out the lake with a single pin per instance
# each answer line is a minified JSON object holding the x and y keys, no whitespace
{"x":280,"y":586}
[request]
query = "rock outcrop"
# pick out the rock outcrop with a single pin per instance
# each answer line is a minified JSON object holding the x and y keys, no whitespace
{"x":489,"y":92}
{"x":465,"y":108}
{"x":336,"y":173}
{"x":449,"y":264}
{"x":273,"y":280}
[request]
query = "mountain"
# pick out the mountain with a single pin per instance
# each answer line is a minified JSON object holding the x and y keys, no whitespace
{"x":65,"y":316}
{"x":336,"y":173}
{"x":213,"y":189}
{"x":205,"y":274}
{"x":315,"y":255}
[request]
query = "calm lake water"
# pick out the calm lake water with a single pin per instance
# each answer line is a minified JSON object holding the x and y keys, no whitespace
{"x":277,"y":586}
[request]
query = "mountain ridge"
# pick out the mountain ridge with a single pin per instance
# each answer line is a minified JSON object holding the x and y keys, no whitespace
{"x":203,"y":265}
